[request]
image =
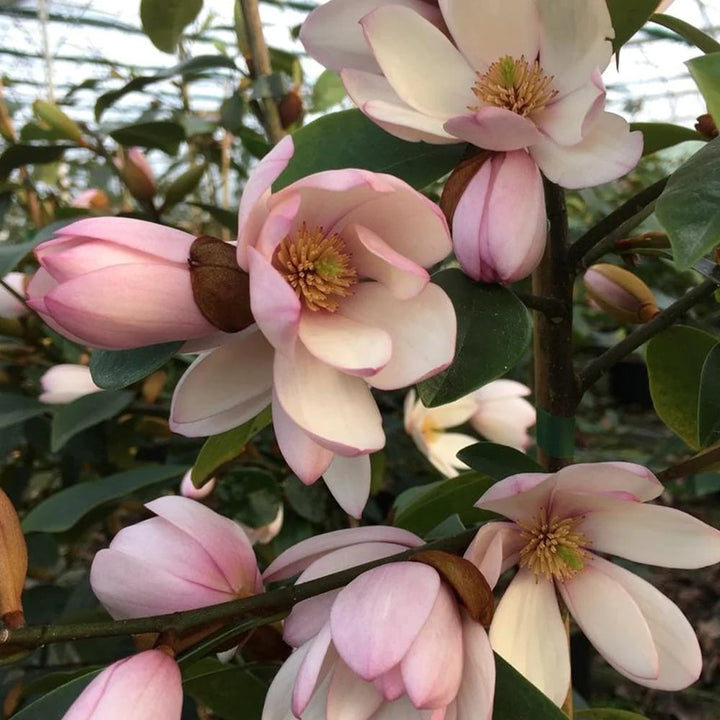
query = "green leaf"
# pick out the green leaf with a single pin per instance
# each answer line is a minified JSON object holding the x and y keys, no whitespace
{"x":658,"y":136}
{"x":328,"y":91}
{"x":15,"y":409}
{"x":164,"y":20}
{"x":607,"y":714}
{"x":116,"y":369}
{"x":53,"y":116}
{"x":518,"y":699}
{"x":689,"y":208}
{"x":688,"y":32}
{"x":675,"y":360}
{"x":183,"y":185}
{"x":85,"y":412}
{"x":56,"y":703}
{"x":706,"y":73}
{"x":498,"y":461}
{"x":628,"y":17}
{"x":493,"y":332}
{"x":420,"y":509}
{"x":187,"y":68}
{"x":221,"y":449}
{"x":227,"y":218}
{"x":709,"y":399}
{"x":18,"y":155}
{"x":62,"y":511}
{"x":163,"y":135}
{"x":348,"y":139}
{"x":250,"y":495}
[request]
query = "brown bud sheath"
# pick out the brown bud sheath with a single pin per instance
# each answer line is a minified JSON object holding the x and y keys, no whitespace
{"x":465,"y":579}
{"x":619,"y":293}
{"x":220,"y":287}
{"x":459,"y":179}
{"x":705,"y":125}
{"x":291,"y":109}
{"x":13,"y":564}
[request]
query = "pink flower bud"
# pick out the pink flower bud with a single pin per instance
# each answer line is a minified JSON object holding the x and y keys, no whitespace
{"x":265,"y":533}
{"x":188,"y":489}
{"x":65,"y":383}
{"x":92,"y":199}
{"x":146,"y":686}
{"x":619,"y":293}
{"x":494,"y":240}
{"x":138,"y":175}
{"x":10,"y":306}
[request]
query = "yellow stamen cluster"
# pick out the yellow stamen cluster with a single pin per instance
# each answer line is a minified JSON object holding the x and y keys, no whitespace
{"x":517,"y":85}
{"x":553,"y":548}
{"x":317,"y":267}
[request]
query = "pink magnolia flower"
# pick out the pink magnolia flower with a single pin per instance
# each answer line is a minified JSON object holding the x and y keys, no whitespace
{"x":558,"y":522}
{"x":117,"y":283}
{"x":188,"y":490}
{"x":66,"y":382}
{"x":500,"y":74}
{"x":376,"y":645}
{"x":493,"y":240}
{"x":146,"y":686}
{"x":186,"y":557}
{"x":10,"y":306}
{"x":92,"y":199}
{"x":343,"y":303}
{"x":503,"y":415}
{"x":137,"y":173}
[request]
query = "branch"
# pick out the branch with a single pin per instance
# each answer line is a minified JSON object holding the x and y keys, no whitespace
{"x":625,"y":218}
{"x":547,"y":306}
{"x":264,"y":604}
{"x":593,"y":370}
{"x":702,"y":460}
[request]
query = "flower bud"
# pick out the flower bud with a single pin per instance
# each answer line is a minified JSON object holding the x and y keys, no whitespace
{"x":705,"y":125}
{"x":66,"y":382}
{"x":138,"y":175}
{"x":188,"y":489}
{"x":620,"y":293}
{"x":10,"y":306}
{"x":13,"y":564}
{"x":92,"y":199}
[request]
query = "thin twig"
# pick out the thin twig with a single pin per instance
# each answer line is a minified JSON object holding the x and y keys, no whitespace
{"x":547,"y":306}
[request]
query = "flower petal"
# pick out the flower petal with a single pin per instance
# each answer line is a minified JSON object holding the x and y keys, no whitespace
{"x":505,"y":421}
{"x":477,"y":689}
{"x":495,"y":548}
{"x":348,"y":479}
{"x":563,"y":120}
{"x":519,"y":497}
{"x":225,"y":387}
{"x":419,"y":61}
{"x":610,"y":478}
{"x":528,"y":632}
{"x":443,"y":449}
{"x":312,"y":670}
{"x":350,"y":697}
{"x":494,"y":128}
{"x":277,"y":700}
{"x":400,"y":596}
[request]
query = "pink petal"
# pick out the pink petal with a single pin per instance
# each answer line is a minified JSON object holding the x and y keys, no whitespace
{"x":608,"y":151}
{"x":563,"y":120}
{"x":222,"y":539}
{"x":348,"y":479}
{"x":494,"y":128}
{"x":335,"y":409}
{"x":519,"y":497}
{"x":278,"y":225}
{"x":419,"y":61}
{"x":350,"y":697}
{"x":422,"y":329}
{"x":495,"y":548}
{"x":477,"y":689}
{"x":610,"y":478}
{"x":225,"y":387}
{"x":299,"y":556}
{"x":612,"y":621}
{"x":277,"y":700}
{"x":275,"y":306}
{"x":391,"y":684}
{"x":376,"y":618}
{"x":315,"y":665}
{"x":528,"y":631}
{"x":439,"y":645}
{"x":345,"y":344}
{"x":678,"y":650}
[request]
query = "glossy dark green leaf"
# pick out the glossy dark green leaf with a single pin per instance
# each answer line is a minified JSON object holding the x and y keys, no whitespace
{"x":18,"y":155}
{"x":62,"y":511}
{"x":187,"y":68}
{"x":348,"y":139}
{"x":658,"y":136}
{"x":228,"y":218}
{"x":709,"y":399}
{"x":689,"y":208}
{"x":15,"y":409}
{"x":706,"y":73}
{"x":628,"y":17}
{"x":518,"y":699}
{"x":164,"y":135}
{"x":497,"y":461}
{"x":493,"y":333}
{"x":327,"y":91}
{"x":607,"y":714}
{"x":56,"y":703}
{"x":85,"y":412}
{"x":164,"y":20}
{"x":423,"y":508}
{"x":116,"y":369}
{"x":11,"y":254}
{"x":688,"y":32}
{"x":675,"y":360}
{"x":222,"y":448}
{"x":249,"y":495}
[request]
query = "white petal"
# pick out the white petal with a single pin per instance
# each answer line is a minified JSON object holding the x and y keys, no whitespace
{"x":610,"y":478}
{"x":494,"y":549}
{"x":350,"y":697}
{"x":443,"y":450}
{"x":475,"y":698}
{"x":348,"y":479}
{"x":563,"y":120}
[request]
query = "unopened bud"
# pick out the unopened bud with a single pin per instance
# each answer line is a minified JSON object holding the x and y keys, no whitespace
{"x":138,"y":175}
{"x":291,"y":109}
{"x":55,"y":118}
{"x":705,"y":125}
{"x":221,"y":289}
{"x":13,"y":564}
{"x":620,"y":293}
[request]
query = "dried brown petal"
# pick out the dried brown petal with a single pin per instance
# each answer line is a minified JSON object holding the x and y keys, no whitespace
{"x":455,"y":185}
{"x":13,"y":564}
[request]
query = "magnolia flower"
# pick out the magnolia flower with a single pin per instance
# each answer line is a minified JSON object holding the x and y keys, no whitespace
{"x":117,"y":283}
{"x":620,"y":293}
{"x":186,"y":557}
{"x":500,"y":74}
{"x":146,"y":686}
{"x":137,"y":174}
{"x":558,"y":522}
{"x":373,"y":648}
{"x":92,"y":199}
{"x":497,"y":411}
{"x":188,"y":489}
{"x":343,"y":303}
{"x":10,"y":306}
{"x":66,"y":382}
